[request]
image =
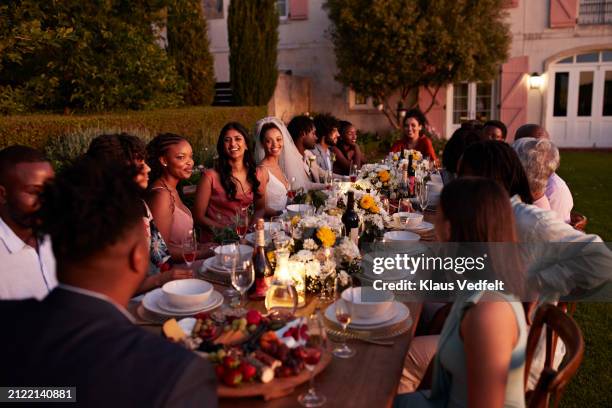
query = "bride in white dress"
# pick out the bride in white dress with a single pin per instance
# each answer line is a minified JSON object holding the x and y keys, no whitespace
{"x":270,"y":152}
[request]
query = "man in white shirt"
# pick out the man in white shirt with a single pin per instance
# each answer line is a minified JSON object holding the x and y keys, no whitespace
{"x":27,"y":265}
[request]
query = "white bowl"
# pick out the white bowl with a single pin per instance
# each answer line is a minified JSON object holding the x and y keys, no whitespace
{"x":246,"y":253}
{"x":298,"y":209}
{"x":187,"y":293}
{"x":407,"y":219}
{"x":401,"y":236}
{"x":368,"y":303}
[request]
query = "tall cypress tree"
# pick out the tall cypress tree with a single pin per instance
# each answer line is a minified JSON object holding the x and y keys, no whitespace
{"x":188,"y":46}
{"x":252,"y":28}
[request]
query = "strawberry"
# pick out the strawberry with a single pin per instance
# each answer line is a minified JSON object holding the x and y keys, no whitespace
{"x":295,"y":333}
{"x":248,"y":371}
{"x":202,"y":316}
{"x":220,"y":371}
{"x":253,"y":317}
{"x":231,"y":362}
{"x":232,"y":378}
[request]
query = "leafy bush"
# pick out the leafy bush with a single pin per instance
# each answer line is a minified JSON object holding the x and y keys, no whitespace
{"x":66,"y":135}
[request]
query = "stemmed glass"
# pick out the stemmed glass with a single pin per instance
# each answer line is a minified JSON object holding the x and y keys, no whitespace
{"x":242,"y":222}
{"x":404,"y":205}
{"x":230,"y":254}
{"x":353,"y":173}
{"x":242,"y":280}
{"x":291,"y":193}
{"x":189,"y":248}
{"x":344,"y":311}
{"x":422,"y":195}
{"x":316,"y":345}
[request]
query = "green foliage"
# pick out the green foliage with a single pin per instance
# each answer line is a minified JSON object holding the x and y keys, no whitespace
{"x":252,"y":28}
{"x":188,"y":46}
{"x":89,"y":56}
{"x":384,"y":47}
{"x":201,"y":125}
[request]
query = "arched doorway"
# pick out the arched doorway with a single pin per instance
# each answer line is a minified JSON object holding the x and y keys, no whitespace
{"x":579,"y":100}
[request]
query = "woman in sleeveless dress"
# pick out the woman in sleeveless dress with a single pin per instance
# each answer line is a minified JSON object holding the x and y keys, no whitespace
{"x":231,"y":188}
{"x":114,"y":149}
{"x":171,"y":160}
{"x":274,"y":183}
{"x":480,"y":356}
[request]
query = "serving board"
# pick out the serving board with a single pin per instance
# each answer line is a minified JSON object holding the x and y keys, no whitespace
{"x":277,"y":388}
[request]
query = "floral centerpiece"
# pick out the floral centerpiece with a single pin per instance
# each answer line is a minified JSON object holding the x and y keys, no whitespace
{"x":381,"y":177}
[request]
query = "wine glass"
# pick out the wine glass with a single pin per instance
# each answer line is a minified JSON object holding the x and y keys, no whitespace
{"x":344,"y":310}
{"x":311,"y":353}
{"x":189,"y":248}
{"x":229,"y":256}
{"x":422,"y":195}
{"x":404,"y":205}
{"x":291,"y":193}
{"x":275,"y":227}
{"x":242,"y":222}
{"x":242,"y":280}
{"x":353,"y":173}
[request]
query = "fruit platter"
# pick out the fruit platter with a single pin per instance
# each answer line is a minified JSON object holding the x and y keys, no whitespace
{"x":252,"y":355}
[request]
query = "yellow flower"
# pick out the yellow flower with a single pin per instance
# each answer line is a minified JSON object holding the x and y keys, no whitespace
{"x":271,"y":257}
{"x":366,"y":202}
{"x":384,"y":176}
{"x":295,"y":220}
{"x":374,"y":209}
{"x":326,"y":236}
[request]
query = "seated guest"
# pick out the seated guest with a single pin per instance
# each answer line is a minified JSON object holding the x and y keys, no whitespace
{"x":130,"y":151}
{"x":347,"y":150}
{"x":578,"y":267}
{"x":228,"y":191}
{"x":414,"y":138}
{"x":558,"y":193}
{"x":326,"y":129}
{"x":456,"y":145}
{"x":480,"y":357}
{"x":270,"y":152}
{"x":303,"y":133}
{"x":83,"y":336}
{"x":540,"y":159}
{"x":28,"y":266}
{"x":495,"y":130}
{"x":170,"y":158}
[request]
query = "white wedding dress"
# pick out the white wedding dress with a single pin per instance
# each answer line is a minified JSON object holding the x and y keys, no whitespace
{"x":276,"y":193}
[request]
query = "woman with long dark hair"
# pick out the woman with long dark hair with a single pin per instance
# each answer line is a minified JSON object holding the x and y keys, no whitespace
{"x":347,"y":150}
{"x":480,"y":353}
{"x":232,"y":187}
{"x":129,"y":151}
{"x":414,"y":136}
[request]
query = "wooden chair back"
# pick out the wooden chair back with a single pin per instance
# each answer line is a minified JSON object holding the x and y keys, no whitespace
{"x":552,"y":382}
{"x":578,"y":221}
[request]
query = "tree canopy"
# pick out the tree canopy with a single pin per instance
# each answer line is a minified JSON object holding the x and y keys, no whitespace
{"x":85,"y":55}
{"x":389,"y":48}
{"x":252,"y":27}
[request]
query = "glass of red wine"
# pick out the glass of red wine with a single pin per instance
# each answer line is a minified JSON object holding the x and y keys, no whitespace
{"x":311,"y":353}
{"x":189,"y":248}
{"x":291,"y":192}
{"x":242,"y":222}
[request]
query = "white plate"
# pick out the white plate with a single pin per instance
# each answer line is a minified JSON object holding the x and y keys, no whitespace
{"x":211,"y":264}
{"x":250,"y":238}
{"x":401,"y":236}
{"x":163,"y":303}
{"x":423,"y":226}
{"x":150,"y":303}
{"x":397,"y":313}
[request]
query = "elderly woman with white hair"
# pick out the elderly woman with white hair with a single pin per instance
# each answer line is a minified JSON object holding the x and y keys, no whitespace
{"x":540,"y":158}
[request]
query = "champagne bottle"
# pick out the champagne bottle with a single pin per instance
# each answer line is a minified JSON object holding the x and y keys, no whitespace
{"x":411,"y":176}
{"x":261,"y":265}
{"x":404,"y":187}
{"x":350,"y":219}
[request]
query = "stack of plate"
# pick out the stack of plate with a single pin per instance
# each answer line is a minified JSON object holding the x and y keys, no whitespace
{"x":158,"y":305}
{"x":397,"y":313}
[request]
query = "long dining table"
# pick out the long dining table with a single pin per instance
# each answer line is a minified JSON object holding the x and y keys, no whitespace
{"x":369,"y":379}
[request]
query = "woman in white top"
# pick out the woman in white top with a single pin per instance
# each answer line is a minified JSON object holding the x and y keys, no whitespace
{"x":273,"y":181}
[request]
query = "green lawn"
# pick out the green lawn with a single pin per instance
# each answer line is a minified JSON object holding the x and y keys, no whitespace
{"x":588,"y":175}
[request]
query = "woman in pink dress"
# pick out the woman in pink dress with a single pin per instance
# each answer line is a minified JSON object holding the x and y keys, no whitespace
{"x":228,"y":191}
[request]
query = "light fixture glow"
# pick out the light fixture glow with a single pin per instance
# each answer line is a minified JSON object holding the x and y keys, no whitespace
{"x":536,"y":81}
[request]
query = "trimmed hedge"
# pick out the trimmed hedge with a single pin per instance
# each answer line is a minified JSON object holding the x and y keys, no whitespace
{"x":201,"y":125}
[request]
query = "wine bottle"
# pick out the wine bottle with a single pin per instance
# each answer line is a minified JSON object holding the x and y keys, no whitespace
{"x":261,"y":265}
{"x":350,"y":219}
{"x":404,"y":187}
{"x":411,"y":176}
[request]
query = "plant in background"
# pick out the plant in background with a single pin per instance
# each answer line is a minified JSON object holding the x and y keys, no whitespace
{"x":390,"y":48}
{"x":188,"y":47}
{"x":252,"y":28}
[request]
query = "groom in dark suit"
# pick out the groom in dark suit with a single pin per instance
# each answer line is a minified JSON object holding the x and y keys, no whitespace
{"x":81,"y":335}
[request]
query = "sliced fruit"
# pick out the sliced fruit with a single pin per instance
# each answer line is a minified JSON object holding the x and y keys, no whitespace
{"x":173,"y":331}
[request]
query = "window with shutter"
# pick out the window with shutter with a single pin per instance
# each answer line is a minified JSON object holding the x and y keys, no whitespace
{"x":563,"y":13}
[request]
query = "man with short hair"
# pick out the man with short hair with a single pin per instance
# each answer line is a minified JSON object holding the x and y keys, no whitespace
{"x":81,"y":334}
{"x":303,"y":132}
{"x":495,"y":130}
{"x":326,"y":129}
{"x":26,"y":257}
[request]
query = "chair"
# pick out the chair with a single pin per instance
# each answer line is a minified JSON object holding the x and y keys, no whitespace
{"x":578,"y":221}
{"x":551,"y":382}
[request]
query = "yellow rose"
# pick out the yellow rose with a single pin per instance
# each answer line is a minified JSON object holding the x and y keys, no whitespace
{"x":384,"y":176}
{"x":366,"y":202}
{"x":295,"y":220}
{"x":374,"y":209}
{"x":326,"y":236}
